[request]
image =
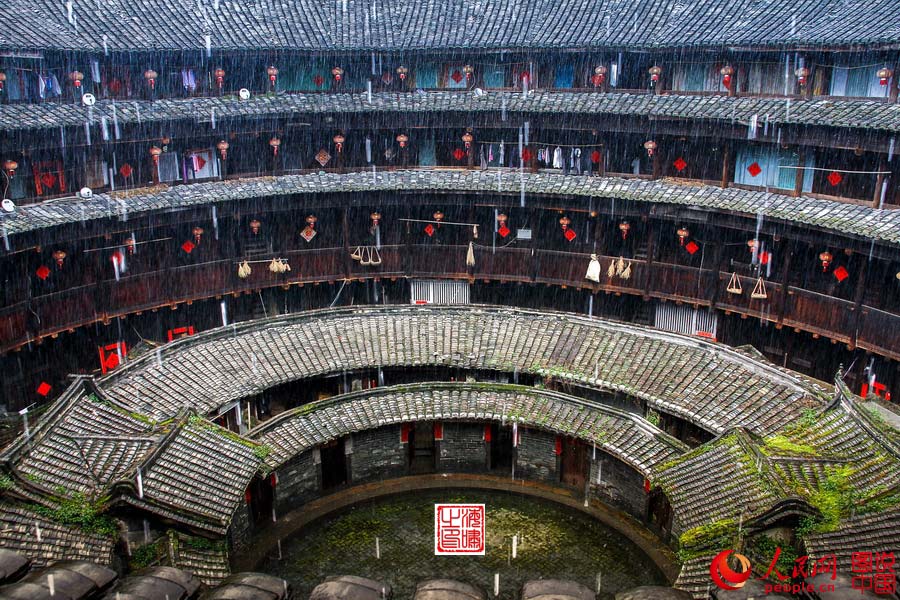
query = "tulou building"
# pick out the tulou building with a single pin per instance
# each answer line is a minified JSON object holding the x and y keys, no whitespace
{"x":279,"y":276}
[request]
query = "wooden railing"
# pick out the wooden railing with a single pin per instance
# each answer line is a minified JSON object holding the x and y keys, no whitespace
{"x":868,"y":327}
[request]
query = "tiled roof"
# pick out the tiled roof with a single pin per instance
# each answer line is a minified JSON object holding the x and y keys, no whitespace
{"x":830,"y":112}
{"x":708,"y":384}
{"x":45,"y":541}
{"x":624,"y":435}
{"x":86,"y":445}
{"x":850,"y":219}
{"x":875,"y":532}
{"x":694,"y":576}
{"x":194,"y":472}
{"x":719,"y":481}
{"x":416,"y":24}
{"x":202,"y":469}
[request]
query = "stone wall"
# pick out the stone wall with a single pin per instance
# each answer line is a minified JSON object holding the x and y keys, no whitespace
{"x":536,"y":456}
{"x":298,"y":482}
{"x":619,"y":485}
{"x":378,"y":454}
{"x":463,"y":449}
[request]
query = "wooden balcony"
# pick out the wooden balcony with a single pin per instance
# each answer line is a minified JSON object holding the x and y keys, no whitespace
{"x":802,"y":309}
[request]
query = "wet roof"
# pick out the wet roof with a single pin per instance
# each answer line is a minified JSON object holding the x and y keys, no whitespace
{"x":626,"y":436}
{"x":841,"y":217}
{"x":708,"y":384}
{"x":854,"y":113}
{"x":386,"y":25}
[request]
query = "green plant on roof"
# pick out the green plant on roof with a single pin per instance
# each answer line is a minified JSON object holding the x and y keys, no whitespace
{"x":82,"y":512}
{"x":6,"y":482}
{"x":834,"y":498}
{"x":653,"y":417}
{"x":262,"y":451}
{"x":782,"y":445}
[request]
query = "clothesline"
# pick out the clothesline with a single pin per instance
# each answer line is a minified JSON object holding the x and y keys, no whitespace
{"x":121,"y":245}
{"x":548,"y":144}
{"x":836,"y":170}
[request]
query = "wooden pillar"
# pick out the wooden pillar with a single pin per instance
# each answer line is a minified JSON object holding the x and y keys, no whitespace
{"x":601,"y":164}
{"x":718,"y":255}
{"x":726,"y":162}
{"x":657,"y":166}
{"x":798,"y":180}
{"x":892,"y":94}
{"x":879,"y":182}
{"x":858,"y":296}
{"x":651,"y":248}
{"x":785,"y":269}
{"x":345,"y":226}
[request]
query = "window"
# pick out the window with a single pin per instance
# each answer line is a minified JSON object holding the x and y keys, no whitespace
{"x":856,"y":81}
{"x":771,"y":167}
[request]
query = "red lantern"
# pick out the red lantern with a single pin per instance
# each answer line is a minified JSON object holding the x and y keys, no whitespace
{"x":884,"y":75}
{"x":826,"y":259}
{"x":311,"y":221}
{"x":129,"y":246}
{"x":337,"y":72}
{"x":402,"y":139}
{"x":467,"y":139}
{"x":338,"y":142}
{"x":752,"y":245}
{"x":223,"y":148}
{"x":150,"y":75}
{"x":198,"y":233}
{"x":273,"y":75}
{"x":60,"y":257}
{"x":599,"y":77}
{"x":155,"y":151}
{"x":650,"y":146}
{"x":220,"y":77}
{"x":2,"y":80}
{"x":254,"y":226}
{"x":438,"y":216}
{"x":802,"y":73}
{"x":683,"y":233}
{"x":726,"y":73}
{"x":565,"y":222}
{"x":624,"y":227}
{"x":376,"y":219}
{"x":275,"y":143}
{"x":655,"y":72}
{"x":75,"y":77}
{"x":401,"y":72}
{"x":468,"y":70}
{"x":10,"y":167}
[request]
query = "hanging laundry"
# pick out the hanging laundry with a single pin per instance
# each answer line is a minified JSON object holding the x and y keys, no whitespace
{"x":188,"y":80}
{"x":95,"y":71}
{"x":558,"y":158}
{"x":491,"y":153}
{"x":501,"y":153}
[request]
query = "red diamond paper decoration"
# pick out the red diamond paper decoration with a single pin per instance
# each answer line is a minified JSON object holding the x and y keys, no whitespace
{"x":679,"y":164}
{"x":526,"y":155}
{"x":48,"y":179}
{"x":126,"y":170}
{"x":429,"y":229}
{"x":318,"y":80}
{"x":841,"y":273}
{"x":595,"y":156}
{"x":457,"y":76}
{"x":691,"y":247}
{"x":44,"y":388}
{"x":43,"y":272}
{"x":459,"y":154}
{"x":503,"y":231}
{"x":387,"y":78}
{"x":765,"y":258}
{"x":322,"y":157}
{"x":188,"y":246}
{"x":199,"y":163}
{"x":308,"y":233}
{"x":117,"y":257}
{"x":754,"y":169}
{"x":570,"y":234}
{"x":834,"y":178}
